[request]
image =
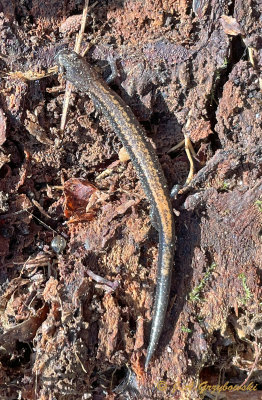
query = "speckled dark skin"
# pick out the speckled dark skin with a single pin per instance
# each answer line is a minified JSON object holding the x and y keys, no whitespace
{"x":148,"y":168}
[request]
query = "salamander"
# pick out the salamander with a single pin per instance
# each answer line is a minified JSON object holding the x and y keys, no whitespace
{"x":145,"y":161}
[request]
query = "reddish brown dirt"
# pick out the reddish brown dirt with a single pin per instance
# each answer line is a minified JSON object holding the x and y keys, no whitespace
{"x":75,"y":325}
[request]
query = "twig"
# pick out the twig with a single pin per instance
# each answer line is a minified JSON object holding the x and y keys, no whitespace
{"x":40,"y":208}
{"x":82,"y":28}
{"x":41,"y":222}
{"x":77,"y":50}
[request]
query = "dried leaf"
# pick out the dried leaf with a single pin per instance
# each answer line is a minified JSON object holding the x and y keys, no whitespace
{"x":78,"y":193}
{"x":24,"y":332}
{"x":231,"y":26}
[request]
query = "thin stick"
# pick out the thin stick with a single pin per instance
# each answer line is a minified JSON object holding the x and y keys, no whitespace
{"x":77,"y":50}
{"x":188,"y":147}
{"x":177,"y":146}
{"x":41,"y":222}
{"x":79,"y":37}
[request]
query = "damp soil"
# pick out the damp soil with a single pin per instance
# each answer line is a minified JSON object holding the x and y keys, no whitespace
{"x":77,"y":248}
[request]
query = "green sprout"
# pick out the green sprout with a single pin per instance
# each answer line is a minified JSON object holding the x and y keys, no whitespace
{"x":194,"y":295}
{"x":185,"y":329}
{"x":248,"y":294}
{"x":258,"y":203}
{"x":225,"y":186}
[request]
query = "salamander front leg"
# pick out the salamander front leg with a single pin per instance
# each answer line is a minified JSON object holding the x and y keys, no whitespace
{"x":112,"y":78}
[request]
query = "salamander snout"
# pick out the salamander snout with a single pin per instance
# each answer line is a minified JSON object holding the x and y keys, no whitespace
{"x":65,"y":58}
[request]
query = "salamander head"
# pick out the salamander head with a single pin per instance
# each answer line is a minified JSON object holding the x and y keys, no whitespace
{"x":66,"y":59}
{"x":72,"y":65}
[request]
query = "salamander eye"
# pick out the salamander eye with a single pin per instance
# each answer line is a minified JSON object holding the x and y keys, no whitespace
{"x":72,"y":56}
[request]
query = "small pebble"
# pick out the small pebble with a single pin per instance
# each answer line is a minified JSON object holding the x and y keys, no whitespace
{"x":58,"y":244}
